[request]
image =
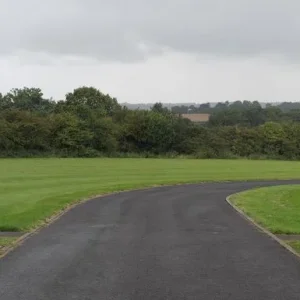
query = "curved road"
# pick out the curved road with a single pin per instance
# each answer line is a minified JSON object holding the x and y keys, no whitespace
{"x":182,"y":242}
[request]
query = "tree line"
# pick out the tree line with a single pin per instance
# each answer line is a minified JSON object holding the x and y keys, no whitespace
{"x":89,"y":123}
{"x":245,"y":113}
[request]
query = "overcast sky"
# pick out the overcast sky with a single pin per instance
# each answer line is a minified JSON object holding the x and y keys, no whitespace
{"x":159,"y":50}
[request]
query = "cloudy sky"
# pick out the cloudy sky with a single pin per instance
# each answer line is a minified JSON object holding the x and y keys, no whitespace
{"x":158,"y":50}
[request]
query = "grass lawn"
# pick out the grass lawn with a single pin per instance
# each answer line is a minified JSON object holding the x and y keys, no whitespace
{"x":275,"y":208}
{"x":31,"y":190}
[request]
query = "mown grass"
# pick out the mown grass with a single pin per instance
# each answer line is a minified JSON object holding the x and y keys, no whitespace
{"x":276,"y":208}
{"x":31,"y":190}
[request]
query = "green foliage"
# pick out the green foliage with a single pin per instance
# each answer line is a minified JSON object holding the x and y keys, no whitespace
{"x":69,"y":133}
{"x":91,"y":98}
{"x":88,"y":123}
{"x":26,"y":99}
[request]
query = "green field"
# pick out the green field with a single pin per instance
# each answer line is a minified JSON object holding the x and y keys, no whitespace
{"x":32,"y":190}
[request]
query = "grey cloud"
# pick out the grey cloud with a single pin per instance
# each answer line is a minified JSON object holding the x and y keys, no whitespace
{"x":132,"y":30}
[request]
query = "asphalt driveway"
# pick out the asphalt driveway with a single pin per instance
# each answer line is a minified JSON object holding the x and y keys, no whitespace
{"x":182,"y":242}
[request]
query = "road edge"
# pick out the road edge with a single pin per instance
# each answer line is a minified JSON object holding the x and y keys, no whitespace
{"x":47,"y":222}
{"x":261,"y":228}
{"x":63,"y":211}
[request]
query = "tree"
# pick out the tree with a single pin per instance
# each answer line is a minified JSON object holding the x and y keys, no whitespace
{"x":69,"y":133}
{"x":148,"y":131}
{"x":204,"y":108}
{"x":179,"y":109}
{"x":5,"y":103}
{"x":274,"y":136}
{"x":158,"y":107}
{"x":27,"y":99}
{"x":105,"y":134}
{"x":25,"y":130}
{"x":6,"y":134}
{"x":92,"y":99}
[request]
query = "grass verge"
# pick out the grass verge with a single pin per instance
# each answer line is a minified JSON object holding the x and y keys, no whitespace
{"x":5,"y":243}
{"x":295,"y":245}
{"x":275,"y":208}
{"x":31,"y":190}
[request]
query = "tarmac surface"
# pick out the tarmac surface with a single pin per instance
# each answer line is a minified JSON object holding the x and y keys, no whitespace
{"x":181,"y":242}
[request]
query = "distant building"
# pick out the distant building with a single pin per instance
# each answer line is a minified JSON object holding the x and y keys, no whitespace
{"x":197,"y":118}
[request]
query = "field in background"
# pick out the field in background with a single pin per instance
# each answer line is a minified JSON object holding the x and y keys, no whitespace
{"x":31,"y":190}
